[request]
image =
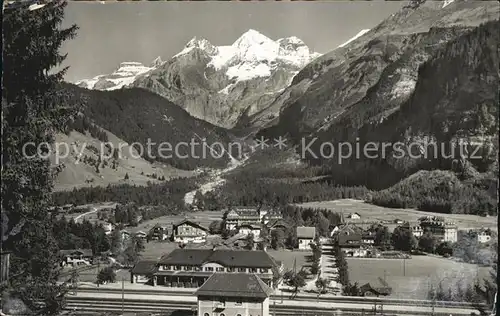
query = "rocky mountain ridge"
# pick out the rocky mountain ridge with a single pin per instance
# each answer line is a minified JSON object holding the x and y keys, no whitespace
{"x":422,"y":74}
{"x":126,"y":73}
{"x":219,"y":84}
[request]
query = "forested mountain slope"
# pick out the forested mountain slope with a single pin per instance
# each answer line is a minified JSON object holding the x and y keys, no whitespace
{"x":426,"y":74}
{"x":137,"y":116}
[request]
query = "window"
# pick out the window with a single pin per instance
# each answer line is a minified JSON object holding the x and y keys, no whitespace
{"x":177,"y":268}
{"x":230,"y":269}
{"x":209,"y":269}
{"x":239,"y":303}
{"x":264,"y":270}
{"x":188,"y":268}
{"x":220,"y":269}
{"x":253,"y":270}
{"x":242,"y":269}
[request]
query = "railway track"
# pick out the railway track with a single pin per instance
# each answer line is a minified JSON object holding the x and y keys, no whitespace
{"x":338,"y":299}
{"x":100,"y":304}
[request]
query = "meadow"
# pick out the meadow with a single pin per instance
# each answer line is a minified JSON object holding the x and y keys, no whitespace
{"x":412,"y":278}
{"x":373,"y":213}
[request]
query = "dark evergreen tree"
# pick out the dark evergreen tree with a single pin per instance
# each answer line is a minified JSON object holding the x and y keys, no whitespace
{"x":32,"y":109}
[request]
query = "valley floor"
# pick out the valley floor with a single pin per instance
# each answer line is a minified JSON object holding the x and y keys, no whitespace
{"x":372,"y":213}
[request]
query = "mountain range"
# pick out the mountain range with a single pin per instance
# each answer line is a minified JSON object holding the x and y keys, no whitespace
{"x":219,"y":84}
{"x":427,"y":72}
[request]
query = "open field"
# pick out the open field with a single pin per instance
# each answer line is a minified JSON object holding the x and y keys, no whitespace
{"x":77,"y":174}
{"x":89,"y":211}
{"x":90,"y":275}
{"x":156,"y":249}
{"x":411,"y":278}
{"x":288,"y":257}
{"x":373,"y":213}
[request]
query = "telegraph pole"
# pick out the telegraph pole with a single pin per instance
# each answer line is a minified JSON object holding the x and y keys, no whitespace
{"x":404,"y":266}
{"x":123,"y":295}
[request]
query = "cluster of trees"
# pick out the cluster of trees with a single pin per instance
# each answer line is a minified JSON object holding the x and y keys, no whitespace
{"x":481,"y":292}
{"x":467,"y":247}
{"x":128,"y":215}
{"x":341,"y":264}
{"x":152,"y":176}
{"x":82,"y":124}
{"x":279,"y":240}
{"x":438,"y":192}
{"x":106,"y":275}
{"x":72,"y":235}
{"x":322,"y":219}
{"x":128,"y":251}
{"x":382,"y":236}
{"x":316,"y":258}
{"x":321,"y":285}
{"x":32,"y":110}
{"x":251,"y":188}
{"x":470,"y":250}
{"x":208,"y":201}
{"x":296,"y":280}
{"x":402,"y":239}
{"x":170,"y":194}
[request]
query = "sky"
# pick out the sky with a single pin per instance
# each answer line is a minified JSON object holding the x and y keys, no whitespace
{"x":115,"y":32}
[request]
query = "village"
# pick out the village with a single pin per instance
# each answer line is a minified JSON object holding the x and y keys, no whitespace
{"x":189,"y":254}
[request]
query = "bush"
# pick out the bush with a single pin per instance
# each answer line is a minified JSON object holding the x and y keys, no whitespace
{"x":106,"y":275}
{"x":444,"y":249}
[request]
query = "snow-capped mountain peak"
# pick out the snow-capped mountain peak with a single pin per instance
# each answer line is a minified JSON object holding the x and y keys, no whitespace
{"x":199,"y":43}
{"x":360,"y":33}
{"x":249,"y":72}
{"x":123,"y":76}
{"x":252,"y":38}
{"x":447,"y":2}
{"x":203,"y":44}
{"x":253,"y":54}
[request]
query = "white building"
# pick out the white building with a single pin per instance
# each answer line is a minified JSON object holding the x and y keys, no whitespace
{"x":354,"y":216}
{"x":141,"y":234}
{"x":108,"y":227}
{"x":417,"y":231}
{"x":305,"y":236}
{"x":187,"y":231}
{"x":482,"y":235}
{"x":233,"y":294}
{"x":248,"y":229}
